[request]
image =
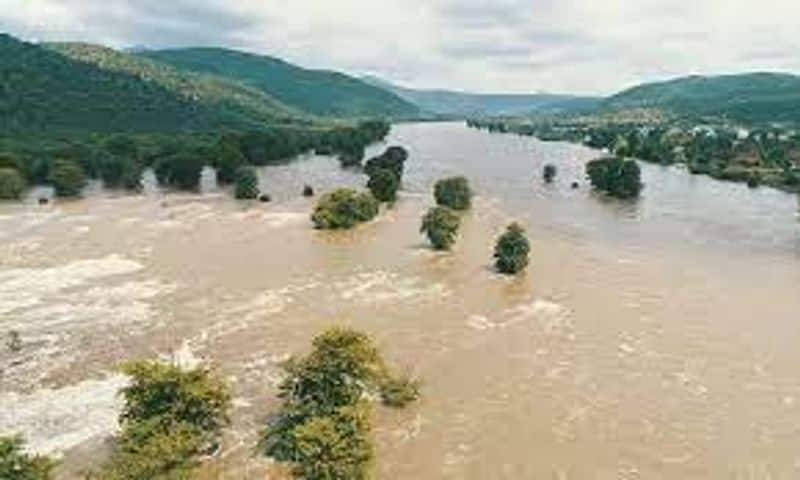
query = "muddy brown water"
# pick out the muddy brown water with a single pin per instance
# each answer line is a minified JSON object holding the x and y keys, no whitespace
{"x":655,"y":340}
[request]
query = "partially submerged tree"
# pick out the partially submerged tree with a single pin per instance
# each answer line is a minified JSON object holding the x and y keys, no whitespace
{"x":441,"y":225}
{"x":181,"y":170}
{"x":323,"y":426}
{"x":68,"y":178}
{"x":12,"y":184}
{"x":394,"y":159}
{"x":343,"y":209}
{"x":512,"y":250}
{"x":453,"y":193}
{"x":246,"y":183}
{"x":15,"y":464}
{"x":383,"y":184}
{"x":170,"y":417}
{"x":615,"y":176}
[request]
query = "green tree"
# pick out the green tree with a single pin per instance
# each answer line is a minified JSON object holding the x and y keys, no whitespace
{"x":512,"y":250}
{"x":454,"y":193}
{"x":68,"y":178}
{"x":15,"y":464}
{"x":615,"y":176}
{"x":393,"y":159}
{"x":227,"y":160}
{"x":181,"y":170}
{"x":246,"y":183}
{"x":12,"y":184}
{"x":343,"y":209}
{"x":441,"y":225}
{"x":383,"y":184}
{"x":335,"y":446}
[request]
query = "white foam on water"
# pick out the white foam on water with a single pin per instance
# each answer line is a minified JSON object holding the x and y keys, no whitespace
{"x":54,"y":420}
{"x":283,"y":219}
{"x":27,"y":287}
{"x":382,"y":286}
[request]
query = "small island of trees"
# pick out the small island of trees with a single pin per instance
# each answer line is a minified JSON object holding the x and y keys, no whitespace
{"x":344,"y":208}
{"x":615,"y":176}
{"x":453,"y":193}
{"x":512,"y":250}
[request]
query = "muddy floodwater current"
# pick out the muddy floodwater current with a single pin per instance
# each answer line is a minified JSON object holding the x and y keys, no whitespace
{"x":651,"y":340}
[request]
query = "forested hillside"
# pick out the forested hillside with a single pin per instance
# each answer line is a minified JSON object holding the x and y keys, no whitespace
{"x":320,"y":92}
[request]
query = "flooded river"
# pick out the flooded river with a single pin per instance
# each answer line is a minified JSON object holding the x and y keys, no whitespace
{"x":655,"y":340}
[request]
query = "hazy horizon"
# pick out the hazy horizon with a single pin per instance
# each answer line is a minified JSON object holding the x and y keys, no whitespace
{"x":510,"y":46}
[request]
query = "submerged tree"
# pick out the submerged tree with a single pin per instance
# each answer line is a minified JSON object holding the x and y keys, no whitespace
{"x":615,"y":176}
{"x":15,"y":464}
{"x":343,"y":209}
{"x":246,"y":183}
{"x":454,"y":193}
{"x":68,"y":178}
{"x":323,"y":428}
{"x":441,"y":225}
{"x":12,"y":184}
{"x":181,"y":170}
{"x":383,"y":184}
{"x":512,"y":250}
{"x":393,"y":159}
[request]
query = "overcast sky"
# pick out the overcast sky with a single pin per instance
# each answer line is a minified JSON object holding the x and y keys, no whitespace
{"x":570,"y":46}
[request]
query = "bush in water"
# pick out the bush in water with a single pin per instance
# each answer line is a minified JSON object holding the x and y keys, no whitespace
{"x":512,"y":249}
{"x":383,"y":184}
{"x":549,"y":173}
{"x":615,"y":176}
{"x":441,"y":225}
{"x":454,"y":193}
{"x":343,"y":209}
{"x":246,"y":183}
{"x":68,"y":178}
{"x":12,"y":184}
{"x":15,"y":464}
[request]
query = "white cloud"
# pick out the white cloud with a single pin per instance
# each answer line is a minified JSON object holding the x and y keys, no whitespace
{"x":588,"y":46}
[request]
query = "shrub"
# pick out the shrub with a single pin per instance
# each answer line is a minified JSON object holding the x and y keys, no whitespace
{"x":615,"y":176}
{"x":335,"y":446}
{"x":170,"y":417}
{"x":119,"y":172}
{"x":15,"y":464}
{"x":181,"y":171}
{"x":383,"y":184}
{"x":68,"y":178}
{"x":227,"y":160}
{"x":344,"y":208}
{"x":549,"y":173}
{"x":12,"y":184}
{"x":323,"y":427}
{"x":393,"y":159}
{"x":512,"y":249}
{"x":399,"y":391}
{"x":441,"y":225}
{"x":453,"y":193}
{"x":246,"y":183}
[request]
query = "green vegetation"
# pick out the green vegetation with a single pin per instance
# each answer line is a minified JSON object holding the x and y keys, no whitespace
{"x":750,"y":98}
{"x":344,"y":208}
{"x":12,"y":184}
{"x":393,"y":159}
{"x":323,"y":427}
{"x":615,"y":176}
{"x":512,"y":250}
{"x":170,"y":417}
{"x":68,"y":178}
{"x":549,"y":173}
{"x":318,"y":92}
{"x":441,"y":225}
{"x":227,"y":160}
{"x":453,"y":193}
{"x":383,"y":184}
{"x":246,"y":183}
{"x":181,"y":171}
{"x":17,"y":465}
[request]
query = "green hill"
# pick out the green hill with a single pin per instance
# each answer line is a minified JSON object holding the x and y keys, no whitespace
{"x":81,"y":88}
{"x":754,"y":97}
{"x":464,"y":104}
{"x":320,"y":92}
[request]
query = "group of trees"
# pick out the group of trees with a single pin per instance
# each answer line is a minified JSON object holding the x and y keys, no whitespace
{"x":173,"y":416}
{"x":118,"y":160}
{"x":615,"y":176}
{"x":385,"y":173}
{"x":343,"y":209}
{"x":323,"y":427}
{"x":441,"y":223}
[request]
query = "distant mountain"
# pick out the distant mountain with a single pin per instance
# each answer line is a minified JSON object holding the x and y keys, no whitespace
{"x":321,"y":92}
{"x":463,"y":104}
{"x":753,"y":97}
{"x":82,"y":88}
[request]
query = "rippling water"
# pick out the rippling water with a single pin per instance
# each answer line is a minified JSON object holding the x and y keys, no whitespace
{"x":648,"y":340}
